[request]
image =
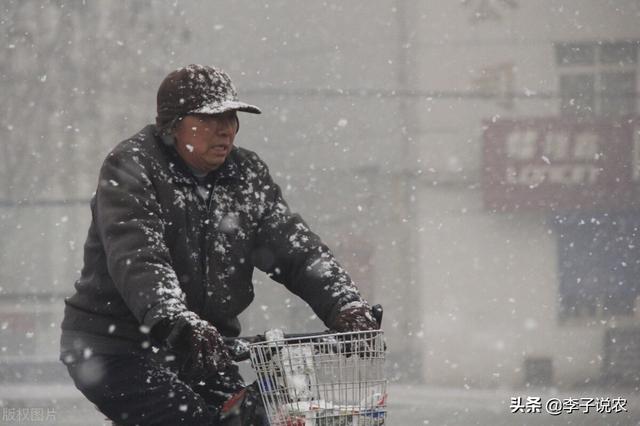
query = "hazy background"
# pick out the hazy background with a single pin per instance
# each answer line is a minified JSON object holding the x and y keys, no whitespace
{"x":390,"y":127}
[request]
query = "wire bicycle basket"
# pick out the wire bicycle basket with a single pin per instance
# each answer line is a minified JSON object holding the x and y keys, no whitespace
{"x":322,"y":380}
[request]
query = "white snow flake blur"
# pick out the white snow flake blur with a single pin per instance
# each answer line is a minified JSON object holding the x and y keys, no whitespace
{"x":472,"y":164}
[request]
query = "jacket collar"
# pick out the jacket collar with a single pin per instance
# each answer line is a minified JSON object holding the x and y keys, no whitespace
{"x":230,"y":169}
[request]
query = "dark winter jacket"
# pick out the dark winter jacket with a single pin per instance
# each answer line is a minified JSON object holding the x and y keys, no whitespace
{"x":159,"y":245}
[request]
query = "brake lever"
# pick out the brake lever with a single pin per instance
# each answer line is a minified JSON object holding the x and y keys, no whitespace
{"x":239,"y":346}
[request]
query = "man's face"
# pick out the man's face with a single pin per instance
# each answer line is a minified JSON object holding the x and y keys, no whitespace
{"x":204,"y":141}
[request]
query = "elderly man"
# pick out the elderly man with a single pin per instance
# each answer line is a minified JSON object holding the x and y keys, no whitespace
{"x":180,"y":218}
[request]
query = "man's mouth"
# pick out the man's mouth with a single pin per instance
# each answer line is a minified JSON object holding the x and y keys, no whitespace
{"x":220,"y":148}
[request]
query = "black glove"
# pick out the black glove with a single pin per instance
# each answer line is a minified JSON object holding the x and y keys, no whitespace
{"x":355,"y":316}
{"x":199,"y":344}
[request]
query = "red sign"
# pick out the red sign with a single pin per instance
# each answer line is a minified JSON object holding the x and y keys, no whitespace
{"x":558,"y":163}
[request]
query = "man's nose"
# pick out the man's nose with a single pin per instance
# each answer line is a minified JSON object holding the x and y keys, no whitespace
{"x":227,"y":126}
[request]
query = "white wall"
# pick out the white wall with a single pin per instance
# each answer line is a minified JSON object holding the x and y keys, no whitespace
{"x":490,"y":296}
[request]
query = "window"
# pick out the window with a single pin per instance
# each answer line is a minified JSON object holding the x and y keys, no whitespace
{"x":597,"y":79}
{"x":577,"y":95}
{"x":598,"y":264}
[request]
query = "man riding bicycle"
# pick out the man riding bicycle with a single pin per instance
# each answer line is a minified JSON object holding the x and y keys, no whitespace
{"x":180,"y":218}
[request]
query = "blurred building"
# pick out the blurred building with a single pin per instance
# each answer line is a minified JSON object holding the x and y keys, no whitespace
{"x":471,"y":162}
{"x":528,"y":202}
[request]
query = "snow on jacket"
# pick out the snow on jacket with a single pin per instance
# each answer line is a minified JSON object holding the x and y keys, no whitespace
{"x":158,"y":246}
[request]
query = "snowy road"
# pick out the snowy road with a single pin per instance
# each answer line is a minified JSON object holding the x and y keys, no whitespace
{"x":408,"y":406}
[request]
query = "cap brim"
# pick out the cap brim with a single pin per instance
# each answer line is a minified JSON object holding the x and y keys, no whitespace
{"x":219,"y":108}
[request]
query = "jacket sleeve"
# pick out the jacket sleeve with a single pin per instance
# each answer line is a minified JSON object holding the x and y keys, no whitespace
{"x":130,"y":225}
{"x":291,"y":254}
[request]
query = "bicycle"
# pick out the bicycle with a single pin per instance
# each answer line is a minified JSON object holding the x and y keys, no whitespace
{"x":314,"y":379}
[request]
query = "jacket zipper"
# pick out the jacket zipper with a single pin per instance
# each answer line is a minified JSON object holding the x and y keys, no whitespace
{"x":205,"y":244}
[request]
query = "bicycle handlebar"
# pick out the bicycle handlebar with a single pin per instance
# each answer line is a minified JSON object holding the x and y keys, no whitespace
{"x":239,"y":346}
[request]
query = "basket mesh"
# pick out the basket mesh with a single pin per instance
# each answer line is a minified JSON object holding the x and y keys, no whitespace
{"x":333,"y":379}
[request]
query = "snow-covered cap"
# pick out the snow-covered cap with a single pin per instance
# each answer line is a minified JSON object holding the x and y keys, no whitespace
{"x":197,"y":89}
